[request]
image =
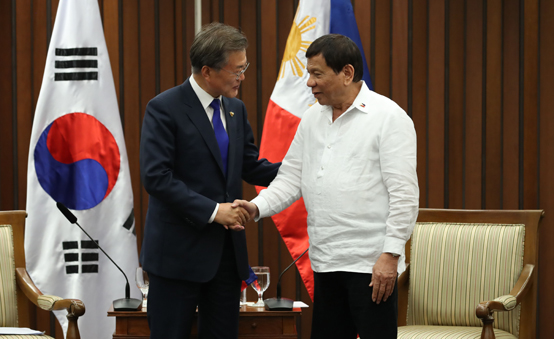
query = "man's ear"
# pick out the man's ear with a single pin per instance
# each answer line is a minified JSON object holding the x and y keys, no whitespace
{"x":348,"y":71}
{"x":206,"y":72}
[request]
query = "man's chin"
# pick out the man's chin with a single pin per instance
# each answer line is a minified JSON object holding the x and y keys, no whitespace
{"x":232,"y":93}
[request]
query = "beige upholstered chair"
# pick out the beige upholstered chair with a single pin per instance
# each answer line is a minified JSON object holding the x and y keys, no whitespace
{"x":17,"y":288}
{"x":472,"y":274}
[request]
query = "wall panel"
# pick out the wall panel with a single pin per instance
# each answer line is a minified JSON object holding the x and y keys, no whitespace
{"x":399,"y":56}
{"x":474,"y":104}
{"x":180,"y":25}
{"x":40,"y":40}
{"x":7,"y":78}
{"x":530,"y":146}
{"x":166,"y":40}
{"x":383,"y":31}
{"x":546,"y":161}
{"x":474,"y":75}
{"x":418,"y":89}
{"x":492,"y":114}
{"x":510,"y":105}
{"x":454,"y":111}
{"x":362,"y":11}
{"x":436,"y":103}
{"x":23,"y":96}
{"x":130,"y":99}
{"x":148,"y":79}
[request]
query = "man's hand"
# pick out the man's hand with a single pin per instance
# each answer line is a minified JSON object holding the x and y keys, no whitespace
{"x":250,"y":207}
{"x":231,"y":217}
{"x":384,"y":277}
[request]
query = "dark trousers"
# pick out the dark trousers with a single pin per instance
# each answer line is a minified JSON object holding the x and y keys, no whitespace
{"x":343,"y":308}
{"x":172,"y":303}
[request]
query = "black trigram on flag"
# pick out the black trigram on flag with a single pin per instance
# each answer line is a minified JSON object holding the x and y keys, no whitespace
{"x":76,"y":60}
{"x":88,"y":253}
{"x":129,"y":222}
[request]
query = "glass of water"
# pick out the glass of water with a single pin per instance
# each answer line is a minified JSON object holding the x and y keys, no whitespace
{"x":261,"y":284}
{"x":141,"y":278}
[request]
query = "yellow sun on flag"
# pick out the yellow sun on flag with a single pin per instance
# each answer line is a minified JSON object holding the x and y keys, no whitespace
{"x":296,"y":44}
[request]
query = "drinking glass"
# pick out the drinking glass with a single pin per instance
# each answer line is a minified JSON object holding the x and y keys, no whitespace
{"x":141,"y":278}
{"x":243,"y":301}
{"x":261,"y":284}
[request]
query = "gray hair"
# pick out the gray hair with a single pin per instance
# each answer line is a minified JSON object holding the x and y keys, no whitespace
{"x":212,"y":45}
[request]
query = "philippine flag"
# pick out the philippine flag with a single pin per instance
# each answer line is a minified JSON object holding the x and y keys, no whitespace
{"x":77,"y":157}
{"x":291,"y":97}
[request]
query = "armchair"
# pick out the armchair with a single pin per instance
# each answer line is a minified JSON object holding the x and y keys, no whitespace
{"x":16,"y":286}
{"x":471,"y":274}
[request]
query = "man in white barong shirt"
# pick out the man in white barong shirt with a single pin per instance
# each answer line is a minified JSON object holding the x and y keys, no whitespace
{"x":353,"y":159}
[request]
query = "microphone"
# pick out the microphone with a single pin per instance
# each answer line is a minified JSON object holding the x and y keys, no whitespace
{"x":281,"y":304}
{"x":125,"y":304}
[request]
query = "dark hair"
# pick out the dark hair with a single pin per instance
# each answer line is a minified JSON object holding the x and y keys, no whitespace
{"x":212,"y":45}
{"x":338,"y":51}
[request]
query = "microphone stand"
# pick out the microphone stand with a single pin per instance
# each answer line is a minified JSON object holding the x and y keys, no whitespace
{"x":124,"y":304}
{"x":281,"y":304}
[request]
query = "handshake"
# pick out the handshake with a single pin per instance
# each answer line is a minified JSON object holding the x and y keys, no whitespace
{"x":236,"y":214}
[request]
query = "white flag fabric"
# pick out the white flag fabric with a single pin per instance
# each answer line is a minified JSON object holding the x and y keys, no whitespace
{"x":77,"y":157}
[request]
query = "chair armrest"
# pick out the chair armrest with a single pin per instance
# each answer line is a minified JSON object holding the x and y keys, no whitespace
{"x":524,"y":282}
{"x":510,"y":301}
{"x":75,"y":307}
{"x":27,"y":285}
{"x":47,"y":302}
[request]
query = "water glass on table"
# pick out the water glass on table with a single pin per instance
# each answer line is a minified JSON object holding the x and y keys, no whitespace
{"x":141,"y":278}
{"x":261,"y":284}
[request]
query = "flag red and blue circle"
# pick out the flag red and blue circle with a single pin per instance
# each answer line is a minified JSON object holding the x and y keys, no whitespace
{"x":77,"y":161}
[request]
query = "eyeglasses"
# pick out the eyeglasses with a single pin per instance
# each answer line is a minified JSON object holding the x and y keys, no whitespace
{"x":239,"y":73}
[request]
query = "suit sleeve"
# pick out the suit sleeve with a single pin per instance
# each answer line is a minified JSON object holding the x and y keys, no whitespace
{"x":157,"y":160}
{"x":255,"y":171}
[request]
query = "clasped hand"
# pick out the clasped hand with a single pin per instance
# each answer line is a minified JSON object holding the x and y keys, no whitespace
{"x":235,"y":215}
{"x":232,"y":216}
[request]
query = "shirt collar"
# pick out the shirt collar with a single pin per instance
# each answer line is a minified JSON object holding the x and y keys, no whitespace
{"x":361,"y":102}
{"x":204,"y":97}
{"x":362,"y":99}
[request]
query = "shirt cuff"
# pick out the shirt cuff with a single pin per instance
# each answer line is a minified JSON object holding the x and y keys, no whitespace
{"x":263,"y":207}
{"x":394,"y":245}
{"x":214,"y":214}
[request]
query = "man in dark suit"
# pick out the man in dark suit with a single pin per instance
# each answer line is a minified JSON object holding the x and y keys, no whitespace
{"x":196,"y":148}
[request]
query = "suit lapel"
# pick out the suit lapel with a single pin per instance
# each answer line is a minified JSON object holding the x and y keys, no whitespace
{"x":197,"y":115}
{"x":231,"y":121}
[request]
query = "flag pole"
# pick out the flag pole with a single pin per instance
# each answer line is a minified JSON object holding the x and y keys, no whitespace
{"x":197,"y":16}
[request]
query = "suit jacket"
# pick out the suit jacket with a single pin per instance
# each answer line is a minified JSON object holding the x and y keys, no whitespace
{"x":181,"y":169}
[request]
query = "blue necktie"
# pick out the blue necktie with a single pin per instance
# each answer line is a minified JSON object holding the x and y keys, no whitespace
{"x":220,"y":134}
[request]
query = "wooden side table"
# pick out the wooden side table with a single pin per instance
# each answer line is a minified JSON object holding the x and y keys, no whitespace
{"x":254,"y":322}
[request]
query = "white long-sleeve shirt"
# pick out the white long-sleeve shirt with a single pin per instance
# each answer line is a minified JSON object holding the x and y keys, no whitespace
{"x":358,"y":179}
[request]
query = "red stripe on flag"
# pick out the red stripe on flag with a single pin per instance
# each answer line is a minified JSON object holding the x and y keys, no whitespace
{"x":279,"y":130}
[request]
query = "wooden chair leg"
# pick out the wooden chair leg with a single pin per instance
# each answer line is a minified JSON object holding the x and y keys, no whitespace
{"x":72,"y":329}
{"x":488,"y":332}
{"x":76,"y":310}
{"x":486,"y":315}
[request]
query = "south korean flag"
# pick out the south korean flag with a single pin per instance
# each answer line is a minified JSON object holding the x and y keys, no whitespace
{"x":77,"y":157}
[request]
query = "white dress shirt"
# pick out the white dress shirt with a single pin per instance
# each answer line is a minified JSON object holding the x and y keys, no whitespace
{"x":358,"y":179}
{"x":206,"y":99}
